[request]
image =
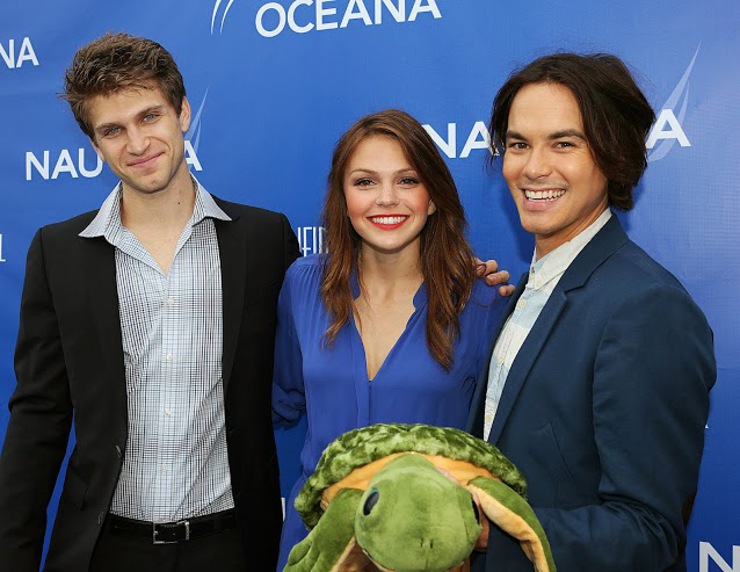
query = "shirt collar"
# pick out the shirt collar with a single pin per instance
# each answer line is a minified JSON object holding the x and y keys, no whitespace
{"x":554,"y":263}
{"x":107,"y":222}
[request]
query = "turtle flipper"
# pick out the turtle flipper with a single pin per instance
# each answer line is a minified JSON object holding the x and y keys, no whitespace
{"x":510,"y":512}
{"x":331,"y":542}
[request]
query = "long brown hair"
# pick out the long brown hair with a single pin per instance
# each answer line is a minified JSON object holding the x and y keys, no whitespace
{"x":446,"y":257}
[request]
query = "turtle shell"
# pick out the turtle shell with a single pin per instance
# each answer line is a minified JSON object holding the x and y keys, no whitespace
{"x":360,"y":447}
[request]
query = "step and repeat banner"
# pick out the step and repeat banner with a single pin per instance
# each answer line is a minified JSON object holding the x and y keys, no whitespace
{"x":274,"y":84}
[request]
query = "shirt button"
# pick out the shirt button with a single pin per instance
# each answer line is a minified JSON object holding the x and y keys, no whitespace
{"x":164,"y":468}
{"x":168,"y":357}
{"x":170,"y":300}
{"x":167,"y":411}
{"x":521,"y":304}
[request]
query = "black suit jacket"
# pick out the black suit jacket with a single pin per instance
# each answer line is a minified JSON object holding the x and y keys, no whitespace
{"x":70,"y":371}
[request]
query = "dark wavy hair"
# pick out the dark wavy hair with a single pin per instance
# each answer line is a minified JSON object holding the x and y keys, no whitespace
{"x":446,"y":257}
{"x":119,"y":61}
{"x":615,"y":113}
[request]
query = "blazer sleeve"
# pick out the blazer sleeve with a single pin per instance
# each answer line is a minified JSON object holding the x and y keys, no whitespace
{"x":39,"y":425}
{"x":652,"y":374}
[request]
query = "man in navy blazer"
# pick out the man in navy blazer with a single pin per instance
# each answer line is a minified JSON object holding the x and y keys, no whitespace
{"x":149,"y":326}
{"x":598,"y":383}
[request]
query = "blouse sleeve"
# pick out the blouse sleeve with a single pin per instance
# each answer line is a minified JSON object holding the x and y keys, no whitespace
{"x":288,"y":391}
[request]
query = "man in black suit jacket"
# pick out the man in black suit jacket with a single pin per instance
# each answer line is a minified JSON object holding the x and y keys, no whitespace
{"x":149,"y":324}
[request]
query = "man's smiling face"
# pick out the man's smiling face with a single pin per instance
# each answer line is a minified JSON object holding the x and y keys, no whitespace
{"x":557,"y":186}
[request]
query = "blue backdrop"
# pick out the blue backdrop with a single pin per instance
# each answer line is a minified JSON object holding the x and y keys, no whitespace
{"x":274,"y":84}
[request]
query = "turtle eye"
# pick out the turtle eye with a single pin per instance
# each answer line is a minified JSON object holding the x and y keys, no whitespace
{"x":370,"y":502}
{"x":476,"y":512}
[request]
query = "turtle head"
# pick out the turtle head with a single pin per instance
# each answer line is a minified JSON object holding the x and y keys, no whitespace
{"x":413,"y":517}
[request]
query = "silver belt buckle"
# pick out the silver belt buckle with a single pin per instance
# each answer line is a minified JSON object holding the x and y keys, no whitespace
{"x":155,"y":533}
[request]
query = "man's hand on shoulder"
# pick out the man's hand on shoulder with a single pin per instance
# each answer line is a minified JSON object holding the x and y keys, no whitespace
{"x":489,"y":271}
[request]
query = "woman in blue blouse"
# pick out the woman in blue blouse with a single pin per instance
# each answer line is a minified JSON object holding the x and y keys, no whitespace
{"x":392,"y":326}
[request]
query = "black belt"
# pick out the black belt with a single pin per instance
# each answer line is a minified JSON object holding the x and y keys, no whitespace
{"x":171,"y":532}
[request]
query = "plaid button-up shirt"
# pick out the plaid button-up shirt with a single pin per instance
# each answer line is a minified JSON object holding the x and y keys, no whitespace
{"x":175,"y":463}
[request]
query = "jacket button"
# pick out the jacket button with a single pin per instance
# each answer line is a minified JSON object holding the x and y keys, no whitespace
{"x":101,"y":518}
{"x":119,"y":452}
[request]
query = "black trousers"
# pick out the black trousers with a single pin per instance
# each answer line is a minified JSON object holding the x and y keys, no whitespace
{"x":222,"y":552}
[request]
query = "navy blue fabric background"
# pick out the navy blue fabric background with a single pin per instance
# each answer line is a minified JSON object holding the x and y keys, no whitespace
{"x":274,"y":84}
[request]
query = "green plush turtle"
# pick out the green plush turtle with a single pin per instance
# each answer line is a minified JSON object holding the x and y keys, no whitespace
{"x":411,"y":498}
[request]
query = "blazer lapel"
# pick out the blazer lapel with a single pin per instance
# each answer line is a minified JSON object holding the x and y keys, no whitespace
{"x":603,"y":245}
{"x":525,"y":358}
{"x":232,"y":248}
{"x":99,"y":276}
{"x":478,"y":406}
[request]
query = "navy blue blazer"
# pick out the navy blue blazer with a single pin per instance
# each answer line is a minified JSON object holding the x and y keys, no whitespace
{"x":70,"y":370}
{"x":604,"y":411}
